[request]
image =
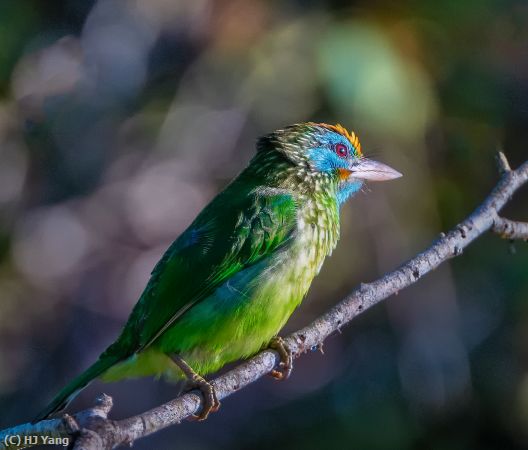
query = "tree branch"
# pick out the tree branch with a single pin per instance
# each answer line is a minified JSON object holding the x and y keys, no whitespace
{"x":502,"y":163}
{"x":91,"y":429}
{"x":510,"y":229}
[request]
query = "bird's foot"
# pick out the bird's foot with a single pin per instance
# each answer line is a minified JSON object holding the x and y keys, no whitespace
{"x":195,"y":381}
{"x":286,"y":363}
{"x":211,"y":402}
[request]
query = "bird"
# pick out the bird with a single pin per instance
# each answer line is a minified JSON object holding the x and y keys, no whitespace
{"x":226,"y":286}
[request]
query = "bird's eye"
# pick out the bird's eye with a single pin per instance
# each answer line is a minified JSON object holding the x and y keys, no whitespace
{"x":341,"y":150}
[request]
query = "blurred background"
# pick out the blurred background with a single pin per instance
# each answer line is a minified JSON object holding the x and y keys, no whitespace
{"x":121,"y":119}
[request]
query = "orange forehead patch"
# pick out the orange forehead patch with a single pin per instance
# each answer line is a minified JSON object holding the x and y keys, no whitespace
{"x":352,"y":137}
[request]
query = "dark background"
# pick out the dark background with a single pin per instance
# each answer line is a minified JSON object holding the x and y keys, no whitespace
{"x":120,"y":119}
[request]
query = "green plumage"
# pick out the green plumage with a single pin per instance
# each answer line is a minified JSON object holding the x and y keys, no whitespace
{"x":229,"y":283}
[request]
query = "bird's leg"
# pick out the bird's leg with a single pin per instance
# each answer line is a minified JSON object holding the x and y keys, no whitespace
{"x":195,"y":381}
{"x":286,"y":364}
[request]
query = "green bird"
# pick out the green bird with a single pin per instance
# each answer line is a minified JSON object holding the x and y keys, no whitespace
{"x":227,"y":285}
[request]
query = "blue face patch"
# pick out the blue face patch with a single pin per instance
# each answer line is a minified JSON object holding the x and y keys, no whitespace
{"x":346,"y":190}
{"x":324,"y":158}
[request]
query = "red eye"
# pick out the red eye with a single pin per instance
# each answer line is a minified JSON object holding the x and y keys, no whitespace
{"x":341,"y":150}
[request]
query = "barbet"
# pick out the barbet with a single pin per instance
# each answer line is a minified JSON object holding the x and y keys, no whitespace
{"x":224,"y":289}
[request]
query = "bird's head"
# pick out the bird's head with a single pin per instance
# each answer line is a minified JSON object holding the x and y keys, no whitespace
{"x":328,"y":153}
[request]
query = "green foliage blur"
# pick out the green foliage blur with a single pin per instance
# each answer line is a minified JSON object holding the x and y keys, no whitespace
{"x":121,"y":119}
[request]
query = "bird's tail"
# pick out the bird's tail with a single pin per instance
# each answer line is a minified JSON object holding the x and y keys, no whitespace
{"x":67,"y":394}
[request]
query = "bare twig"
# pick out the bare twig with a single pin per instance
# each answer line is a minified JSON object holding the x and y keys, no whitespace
{"x":502,"y":163}
{"x":62,"y":431}
{"x":510,"y":229}
{"x":92,"y":430}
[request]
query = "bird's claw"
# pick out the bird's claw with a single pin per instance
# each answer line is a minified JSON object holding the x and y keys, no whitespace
{"x":195,"y":381}
{"x":211,"y":402}
{"x":286,"y":363}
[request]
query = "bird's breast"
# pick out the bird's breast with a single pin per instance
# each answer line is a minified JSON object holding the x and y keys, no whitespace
{"x":317,"y":234}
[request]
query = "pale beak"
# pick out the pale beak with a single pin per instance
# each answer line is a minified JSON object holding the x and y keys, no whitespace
{"x":366,"y":169}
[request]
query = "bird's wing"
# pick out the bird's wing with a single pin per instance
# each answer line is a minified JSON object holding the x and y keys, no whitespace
{"x":232,"y":233}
